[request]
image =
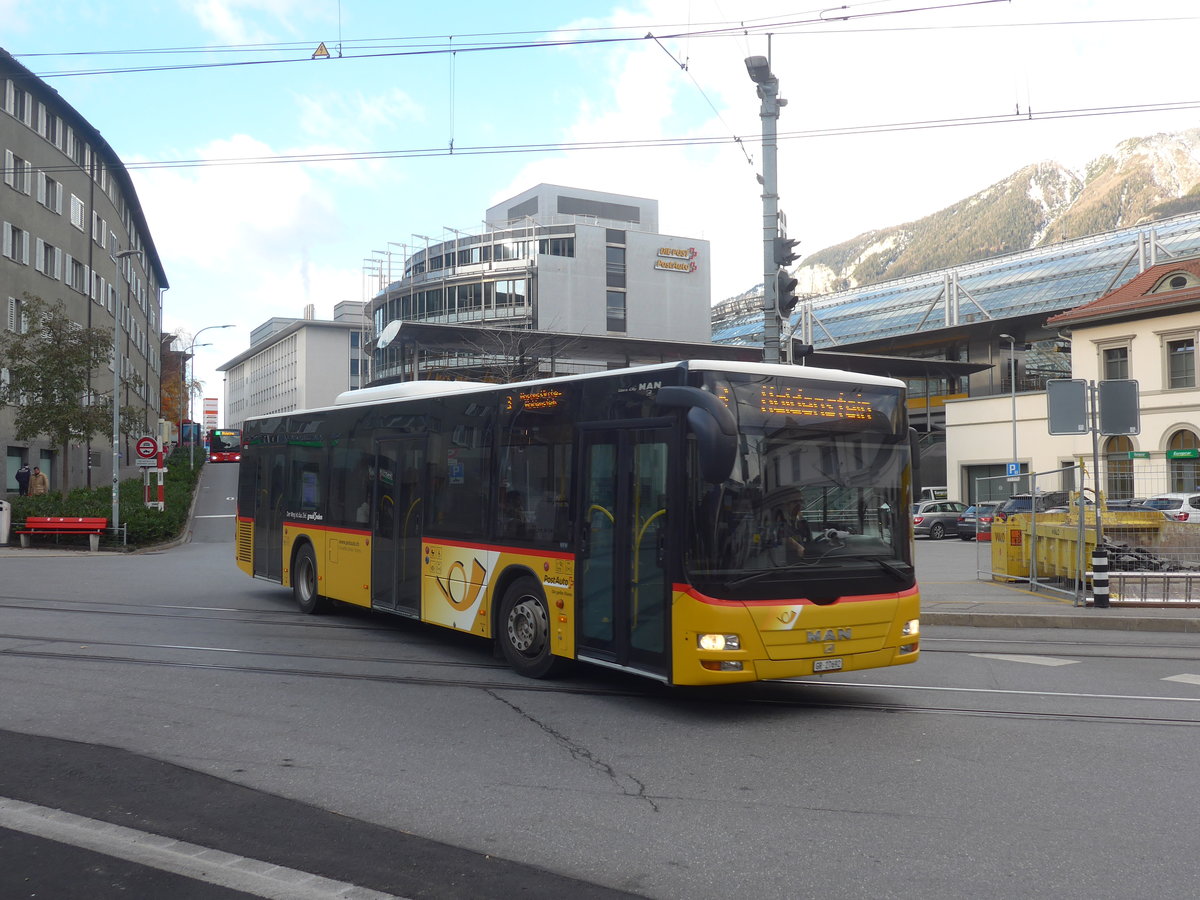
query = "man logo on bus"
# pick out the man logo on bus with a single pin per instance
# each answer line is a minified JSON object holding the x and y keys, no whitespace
{"x":842,"y":634}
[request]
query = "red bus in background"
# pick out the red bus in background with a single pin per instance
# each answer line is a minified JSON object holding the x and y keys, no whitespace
{"x":224,"y":445}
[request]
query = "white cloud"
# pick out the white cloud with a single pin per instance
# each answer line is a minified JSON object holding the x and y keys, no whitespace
{"x":354,"y":117}
{"x":234,"y":21}
{"x":241,"y":244}
{"x":223,"y":213}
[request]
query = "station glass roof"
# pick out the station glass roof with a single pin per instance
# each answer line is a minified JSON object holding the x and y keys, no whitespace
{"x":1046,"y":279}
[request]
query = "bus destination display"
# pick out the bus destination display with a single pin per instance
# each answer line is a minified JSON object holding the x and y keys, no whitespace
{"x":809,"y":403}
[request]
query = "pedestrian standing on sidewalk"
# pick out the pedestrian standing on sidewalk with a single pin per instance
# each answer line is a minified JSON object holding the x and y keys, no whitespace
{"x":23,"y":479}
{"x":38,"y":482}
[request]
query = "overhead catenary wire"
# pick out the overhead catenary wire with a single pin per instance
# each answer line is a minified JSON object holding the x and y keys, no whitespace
{"x":726,"y":29}
{"x":439,"y":44}
{"x":648,"y":143}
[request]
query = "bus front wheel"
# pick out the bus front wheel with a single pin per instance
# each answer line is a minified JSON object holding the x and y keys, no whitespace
{"x":305,"y":586}
{"x":524,"y":631}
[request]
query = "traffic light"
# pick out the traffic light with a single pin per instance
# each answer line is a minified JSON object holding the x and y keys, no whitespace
{"x":785,"y":251}
{"x":785,"y":292}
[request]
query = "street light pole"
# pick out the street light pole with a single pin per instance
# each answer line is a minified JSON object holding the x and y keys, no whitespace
{"x":117,"y":256}
{"x":759,"y":70}
{"x":185,"y":406}
{"x":1012,"y":384}
{"x":190,"y":385}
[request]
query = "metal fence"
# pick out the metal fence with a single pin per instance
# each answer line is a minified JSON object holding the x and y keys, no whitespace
{"x":1049,"y":541}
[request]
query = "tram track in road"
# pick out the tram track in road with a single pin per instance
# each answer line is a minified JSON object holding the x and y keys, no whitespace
{"x":814,"y":695}
{"x":285,"y":615}
{"x":1053,"y":648}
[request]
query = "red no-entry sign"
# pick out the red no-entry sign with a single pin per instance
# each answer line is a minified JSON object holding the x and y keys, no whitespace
{"x":146,"y":449}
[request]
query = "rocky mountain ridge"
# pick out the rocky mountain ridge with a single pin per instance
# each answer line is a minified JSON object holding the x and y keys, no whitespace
{"x":1140,"y":180}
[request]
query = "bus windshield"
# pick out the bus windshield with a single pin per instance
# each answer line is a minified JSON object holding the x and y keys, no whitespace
{"x":816,"y":505}
{"x":224,"y":441}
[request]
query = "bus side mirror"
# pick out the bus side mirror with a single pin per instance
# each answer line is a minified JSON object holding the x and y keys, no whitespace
{"x":914,"y":448}
{"x":713,"y":425}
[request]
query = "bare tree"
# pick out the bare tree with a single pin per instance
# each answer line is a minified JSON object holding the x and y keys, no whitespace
{"x":508,"y":355}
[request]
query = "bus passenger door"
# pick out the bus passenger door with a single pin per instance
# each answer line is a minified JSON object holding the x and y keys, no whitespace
{"x":269,"y":490}
{"x":397,"y":513}
{"x":623,"y":591}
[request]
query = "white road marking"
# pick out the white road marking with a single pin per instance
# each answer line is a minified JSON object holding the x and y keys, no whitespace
{"x":239,"y":873}
{"x":224,"y":516}
{"x":1186,"y":679}
{"x":1032,"y":660}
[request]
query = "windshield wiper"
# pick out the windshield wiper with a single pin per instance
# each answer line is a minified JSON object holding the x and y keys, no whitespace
{"x":776,"y":570}
{"x":816,"y":564}
{"x":895,"y":571}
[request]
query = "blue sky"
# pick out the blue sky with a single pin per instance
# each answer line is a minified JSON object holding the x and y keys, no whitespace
{"x":241,"y":243}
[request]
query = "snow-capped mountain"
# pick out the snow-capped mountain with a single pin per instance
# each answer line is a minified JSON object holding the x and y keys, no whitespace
{"x":1142,"y":179}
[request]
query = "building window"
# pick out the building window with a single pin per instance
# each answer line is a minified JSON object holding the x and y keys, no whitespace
{"x":17,"y":100}
{"x":1175,"y":281}
{"x":16,"y":172}
{"x":1119,"y":481}
{"x":512,"y":293}
{"x":99,"y":230}
{"x":557,"y":246}
{"x":1184,"y":473}
{"x":614,"y":266}
{"x":78,"y":213}
{"x":1181,"y":363}
{"x":615,"y":311}
{"x":16,"y":244}
{"x":1116,"y":362}
{"x":76,"y":275}
{"x":49,"y":193}
{"x":48,"y":259}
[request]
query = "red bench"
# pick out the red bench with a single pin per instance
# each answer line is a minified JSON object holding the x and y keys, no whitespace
{"x":93,"y":527}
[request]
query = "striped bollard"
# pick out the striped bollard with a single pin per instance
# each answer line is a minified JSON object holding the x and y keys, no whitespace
{"x":1100,"y":579}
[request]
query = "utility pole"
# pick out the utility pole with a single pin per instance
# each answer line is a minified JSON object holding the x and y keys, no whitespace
{"x":759,"y":69}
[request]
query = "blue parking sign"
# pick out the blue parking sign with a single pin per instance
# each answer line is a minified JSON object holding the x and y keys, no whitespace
{"x":1013,"y":469}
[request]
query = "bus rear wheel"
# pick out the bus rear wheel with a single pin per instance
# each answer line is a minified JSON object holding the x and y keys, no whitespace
{"x":305,"y":586}
{"x":524,"y":631}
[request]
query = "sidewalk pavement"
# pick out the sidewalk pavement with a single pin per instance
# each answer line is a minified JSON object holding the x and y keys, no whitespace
{"x":1014,"y":605}
{"x":962,"y":602}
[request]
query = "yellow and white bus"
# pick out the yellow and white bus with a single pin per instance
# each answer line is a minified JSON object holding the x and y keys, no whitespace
{"x":695,"y":522}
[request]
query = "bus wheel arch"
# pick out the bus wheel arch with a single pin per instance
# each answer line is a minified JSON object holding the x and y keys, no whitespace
{"x":306,"y":579}
{"x":523,"y":629}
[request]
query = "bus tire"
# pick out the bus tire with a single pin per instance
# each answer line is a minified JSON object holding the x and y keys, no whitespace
{"x":305,"y":586}
{"x":524,"y":631}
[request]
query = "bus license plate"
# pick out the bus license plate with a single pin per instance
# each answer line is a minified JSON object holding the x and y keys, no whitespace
{"x":827,"y":665}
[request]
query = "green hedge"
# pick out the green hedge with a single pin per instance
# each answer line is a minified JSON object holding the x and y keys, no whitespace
{"x":144,"y":526}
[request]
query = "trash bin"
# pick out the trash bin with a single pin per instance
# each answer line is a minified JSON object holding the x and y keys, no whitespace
{"x":5,"y":521}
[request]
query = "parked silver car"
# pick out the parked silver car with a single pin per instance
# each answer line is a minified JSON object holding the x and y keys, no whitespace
{"x":936,"y":519}
{"x":1179,"y":506}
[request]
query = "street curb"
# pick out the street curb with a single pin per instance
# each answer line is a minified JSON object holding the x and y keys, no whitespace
{"x":1037,"y":620}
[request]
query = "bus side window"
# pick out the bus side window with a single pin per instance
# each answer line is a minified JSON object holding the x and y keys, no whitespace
{"x":535,"y":469}
{"x":350,"y":495}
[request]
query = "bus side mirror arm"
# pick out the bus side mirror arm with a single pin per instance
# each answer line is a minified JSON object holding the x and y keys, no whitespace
{"x":914,"y":446}
{"x":713,"y":425}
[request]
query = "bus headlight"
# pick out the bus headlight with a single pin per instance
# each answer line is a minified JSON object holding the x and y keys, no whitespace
{"x":912,"y":626}
{"x":719,"y":642}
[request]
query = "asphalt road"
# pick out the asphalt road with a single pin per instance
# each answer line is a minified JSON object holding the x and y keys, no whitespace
{"x":168,"y":693}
